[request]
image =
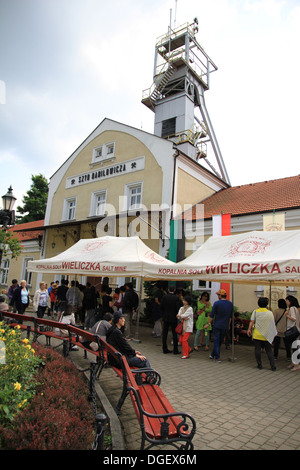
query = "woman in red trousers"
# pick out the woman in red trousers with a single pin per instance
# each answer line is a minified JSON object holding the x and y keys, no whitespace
{"x":187,"y":315}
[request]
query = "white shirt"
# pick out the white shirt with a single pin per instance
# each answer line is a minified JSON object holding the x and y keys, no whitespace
{"x":188,"y":316}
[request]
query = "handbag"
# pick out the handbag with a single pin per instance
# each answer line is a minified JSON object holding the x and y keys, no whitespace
{"x":292,"y":333}
{"x":179,"y":328}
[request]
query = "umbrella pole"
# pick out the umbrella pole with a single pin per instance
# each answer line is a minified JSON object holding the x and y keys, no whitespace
{"x":232,"y":358}
{"x":136,"y":339}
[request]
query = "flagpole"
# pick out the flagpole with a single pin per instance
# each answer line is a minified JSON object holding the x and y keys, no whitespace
{"x":232,"y":358}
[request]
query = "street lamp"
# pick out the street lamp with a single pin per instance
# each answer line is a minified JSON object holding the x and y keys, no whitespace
{"x":7,"y":214}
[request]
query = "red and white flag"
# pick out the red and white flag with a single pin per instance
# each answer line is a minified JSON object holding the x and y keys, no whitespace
{"x":221,"y":228}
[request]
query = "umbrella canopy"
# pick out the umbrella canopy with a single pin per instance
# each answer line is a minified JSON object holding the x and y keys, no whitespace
{"x":252,"y":257}
{"x":105,"y":256}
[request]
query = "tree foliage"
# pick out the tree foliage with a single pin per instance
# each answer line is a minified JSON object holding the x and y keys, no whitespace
{"x":10,"y":244}
{"x":35,"y":201}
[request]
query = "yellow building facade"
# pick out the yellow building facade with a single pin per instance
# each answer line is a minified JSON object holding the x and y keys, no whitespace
{"x":122,"y":181}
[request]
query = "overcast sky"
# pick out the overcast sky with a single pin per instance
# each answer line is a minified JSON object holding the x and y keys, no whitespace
{"x":65,"y":65}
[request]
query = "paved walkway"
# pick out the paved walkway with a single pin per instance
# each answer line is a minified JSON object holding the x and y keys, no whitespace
{"x":235,"y":405}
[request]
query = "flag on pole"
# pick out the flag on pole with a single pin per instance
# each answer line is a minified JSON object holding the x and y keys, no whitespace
{"x":221,"y":228}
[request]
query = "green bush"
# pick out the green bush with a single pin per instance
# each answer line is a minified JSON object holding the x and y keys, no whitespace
{"x":18,"y":367}
{"x":59,"y":416}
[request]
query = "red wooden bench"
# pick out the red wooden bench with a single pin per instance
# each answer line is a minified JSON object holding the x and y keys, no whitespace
{"x":15,"y":319}
{"x":159,"y":422}
{"x":47,"y":328}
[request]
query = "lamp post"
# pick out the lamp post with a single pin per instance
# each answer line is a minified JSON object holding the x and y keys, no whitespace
{"x":7,"y":214}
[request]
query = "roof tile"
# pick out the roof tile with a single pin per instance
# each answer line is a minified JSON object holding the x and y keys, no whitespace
{"x":251,"y":198}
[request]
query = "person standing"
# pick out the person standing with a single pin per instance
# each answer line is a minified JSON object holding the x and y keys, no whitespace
{"x":12,"y":288}
{"x":52,"y":293}
{"x":280,"y":323}
{"x":21,"y":298}
{"x":156,"y":311}
{"x":186,"y":315}
{"x":293,"y":319}
{"x":73,"y":297}
{"x":203,"y":310}
{"x":120,"y":302}
{"x":61,"y":297}
{"x":41,"y":300}
{"x":264,"y":331}
{"x":221,"y":314}
{"x":89,"y":305}
{"x":170,"y":305}
{"x":130,"y":306}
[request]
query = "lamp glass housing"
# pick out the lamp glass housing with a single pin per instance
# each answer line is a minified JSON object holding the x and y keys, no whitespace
{"x":9,"y":200}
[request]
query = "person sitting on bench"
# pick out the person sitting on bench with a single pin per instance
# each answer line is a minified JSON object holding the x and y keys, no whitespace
{"x":115,"y":338}
{"x":101,"y":327}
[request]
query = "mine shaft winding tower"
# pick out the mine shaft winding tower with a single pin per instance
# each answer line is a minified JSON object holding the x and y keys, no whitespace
{"x":181,"y":76}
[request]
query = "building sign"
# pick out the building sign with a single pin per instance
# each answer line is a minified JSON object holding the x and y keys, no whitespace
{"x":118,"y":169}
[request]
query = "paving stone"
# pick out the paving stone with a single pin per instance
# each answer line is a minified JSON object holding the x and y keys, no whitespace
{"x":239,"y":405}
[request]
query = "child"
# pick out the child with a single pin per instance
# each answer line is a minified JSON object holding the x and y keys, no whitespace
{"x":204,"y":308}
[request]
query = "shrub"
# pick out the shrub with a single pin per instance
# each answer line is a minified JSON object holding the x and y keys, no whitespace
{"x":18,"y":368}
{"x":59,"y":416}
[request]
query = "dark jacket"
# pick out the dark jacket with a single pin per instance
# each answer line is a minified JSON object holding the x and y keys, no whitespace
{"x":61,"y":293}
{"x":115,"y":338}
{"x":16,"y":299}
{"x":89,"y":298}
{"x":131,"y":301}
{"x":170,"y":305}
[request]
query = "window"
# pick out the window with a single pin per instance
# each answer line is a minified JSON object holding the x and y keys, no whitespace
{"x":4,"y":271}
{"x":110,"y":149}
{"x":69,"y":209}
{"x":98,"y":153}
{"x":135,"y":197}
{"x":26,"y":275}
{"x":104,"y":152}
{"x":98,"y":203}
{"x":168,"y":127}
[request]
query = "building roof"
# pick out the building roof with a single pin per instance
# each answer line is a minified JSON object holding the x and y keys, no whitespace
{"x":266,"y":196}
{"x":28,"y":231}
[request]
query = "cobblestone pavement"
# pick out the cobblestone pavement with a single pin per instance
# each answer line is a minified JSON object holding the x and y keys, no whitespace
{"x":235,"y":405}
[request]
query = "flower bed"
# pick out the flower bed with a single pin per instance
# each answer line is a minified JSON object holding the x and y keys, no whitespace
{"x":45,"y":404}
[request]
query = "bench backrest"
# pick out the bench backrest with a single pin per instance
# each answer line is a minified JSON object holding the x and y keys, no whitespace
{"x":17,"y":316}
{"x":50,"y":323}
{"x":130,"y":377}
{"x":83,"y":333}
{"x":111,"y":350}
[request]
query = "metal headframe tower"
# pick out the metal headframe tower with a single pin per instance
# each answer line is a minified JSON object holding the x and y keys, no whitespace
{"x":181,"y":76}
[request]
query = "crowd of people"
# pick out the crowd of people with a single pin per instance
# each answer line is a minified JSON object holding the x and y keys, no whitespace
{"x":266,"y":328}
{"x":110,"y":315}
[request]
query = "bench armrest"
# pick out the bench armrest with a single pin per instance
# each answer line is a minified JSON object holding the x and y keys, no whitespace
{"x":146,"y":376}
{"x":186,"y":428}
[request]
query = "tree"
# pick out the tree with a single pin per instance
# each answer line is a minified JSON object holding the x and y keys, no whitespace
{"x":35,"y":201}
{"x":9,"y":244}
